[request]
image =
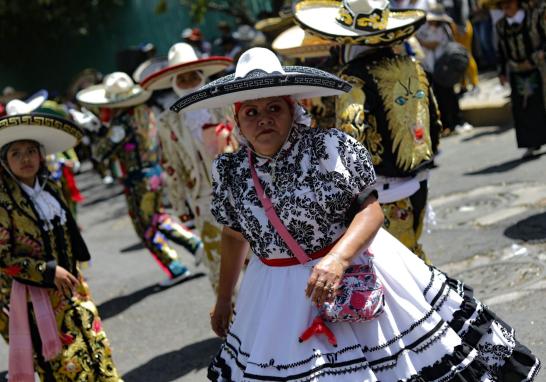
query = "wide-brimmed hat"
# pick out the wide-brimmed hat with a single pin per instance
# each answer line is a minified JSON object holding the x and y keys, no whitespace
{"x":116,"y":91}
{"x":296,"y":43}
{"x":17,"y":106}
{"x":274,"y":25}
{"x":82,"y":80}
{"x":259,"y":74}
{"x":55,"y":134}
{"x":149,"y":67}
{"x":437,"y":12}
{"x":360,"y":22}
{"x":182,"y":58}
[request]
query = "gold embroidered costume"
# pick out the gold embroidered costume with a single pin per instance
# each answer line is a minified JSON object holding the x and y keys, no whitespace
{"x":30,"y":253}
{"x":392,"y":111}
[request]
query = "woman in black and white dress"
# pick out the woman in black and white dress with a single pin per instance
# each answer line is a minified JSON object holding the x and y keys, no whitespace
{"x":432,"y":328}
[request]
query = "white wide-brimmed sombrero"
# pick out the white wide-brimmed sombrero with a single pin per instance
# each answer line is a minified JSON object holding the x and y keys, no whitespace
{"x":259,"y":74}
{"x":182,"y":58}
{"x":116,"y":91}
{"x":296,"y":43}
{"x":54,"y":133}
{"x":359,"y":22}
{"x":17,"y":106}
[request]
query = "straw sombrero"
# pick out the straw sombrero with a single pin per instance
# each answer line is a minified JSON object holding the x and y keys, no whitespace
{"x":273,"y":25}
{"x":182,"y":58}
{"x":117,"y":91}
{"x":296,"y":43}
{"x":259,"y":74}
{"x":54,"y":133}
{"x":359,"y":22}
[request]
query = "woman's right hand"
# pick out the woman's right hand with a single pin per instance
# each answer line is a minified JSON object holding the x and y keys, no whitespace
{"x":220,"y":316}
{"x":65,"y":282}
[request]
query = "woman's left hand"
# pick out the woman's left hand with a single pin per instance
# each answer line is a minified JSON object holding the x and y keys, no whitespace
{"x":325,"y":279}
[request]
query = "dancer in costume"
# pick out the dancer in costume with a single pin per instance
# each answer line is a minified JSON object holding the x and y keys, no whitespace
{"x":16,"y":106}
{"x":190,"y":141}
{"x":391,"y":108}
{"x":522,"y":41}
{"x":54,"y":326}
{"x":133,"y":140}
{"x":431,"y":328}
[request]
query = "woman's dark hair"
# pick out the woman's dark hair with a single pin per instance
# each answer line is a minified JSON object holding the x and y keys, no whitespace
{"x":4,"y":150}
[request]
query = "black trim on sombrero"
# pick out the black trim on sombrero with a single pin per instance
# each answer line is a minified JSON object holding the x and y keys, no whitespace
{"x":378,"y":39}
{"x":371,"y":36}
{"x":38,"y":119}
{"x":259,"y":79}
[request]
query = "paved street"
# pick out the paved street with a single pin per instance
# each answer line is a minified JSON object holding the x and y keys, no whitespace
{"x":489,"y":230}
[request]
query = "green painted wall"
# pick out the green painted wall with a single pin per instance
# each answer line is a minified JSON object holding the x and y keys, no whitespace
{"x":53,"y":64}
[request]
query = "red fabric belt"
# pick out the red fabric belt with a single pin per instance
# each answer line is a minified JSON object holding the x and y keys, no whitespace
{"x":288,"y":261}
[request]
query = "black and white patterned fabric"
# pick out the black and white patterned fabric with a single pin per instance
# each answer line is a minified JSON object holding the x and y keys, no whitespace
{"x":432,"y":327}
{"x":311,"y":182}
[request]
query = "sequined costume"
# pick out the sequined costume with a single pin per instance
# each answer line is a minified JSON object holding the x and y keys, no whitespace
{"x":521,"y":57}
{"x":392,"y":111}
{"x":134,"y":142}
{"x":30,"y":250}
{"x":190,"y":141}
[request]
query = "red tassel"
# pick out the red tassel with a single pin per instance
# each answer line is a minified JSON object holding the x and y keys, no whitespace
{"x":319,"y":327}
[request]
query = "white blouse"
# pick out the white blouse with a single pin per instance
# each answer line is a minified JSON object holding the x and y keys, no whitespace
{"x":312,"y":181}
{"x":46,"y":205}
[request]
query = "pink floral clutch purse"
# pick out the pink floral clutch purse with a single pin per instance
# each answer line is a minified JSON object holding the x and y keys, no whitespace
{"x":360,"y":297}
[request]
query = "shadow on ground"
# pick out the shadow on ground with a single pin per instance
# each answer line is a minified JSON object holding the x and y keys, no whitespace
{"x":488,"y":132}
{"x":104,"y":198}
{"x":117,"y":305}
{"x":530,"y":229}
{"x":133,"y":247}
{"x":505,"y":166}
{"x":173,"y":365}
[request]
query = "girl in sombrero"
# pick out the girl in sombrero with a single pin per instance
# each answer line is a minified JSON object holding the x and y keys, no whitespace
{"x":189,"y":142}
{"x":313,"y":305}
{"x":54,"y":326}
{"x":132,"y":139}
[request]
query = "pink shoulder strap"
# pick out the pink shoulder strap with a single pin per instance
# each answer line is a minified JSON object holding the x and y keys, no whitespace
{"x":272,"y":216}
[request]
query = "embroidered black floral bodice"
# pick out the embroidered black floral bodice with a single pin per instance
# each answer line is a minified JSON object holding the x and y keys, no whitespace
{"x":311,"y":182}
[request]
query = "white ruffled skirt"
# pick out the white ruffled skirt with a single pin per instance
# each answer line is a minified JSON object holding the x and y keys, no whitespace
{"x":432,"y":329}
